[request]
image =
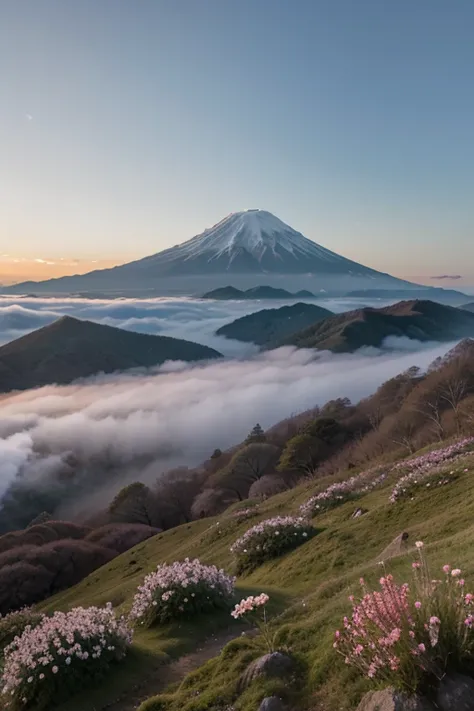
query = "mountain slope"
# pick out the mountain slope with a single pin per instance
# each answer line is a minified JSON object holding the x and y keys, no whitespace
{"x":420,"y":320}
{"x":468,"y":307}
{"x":69,"y":349}
{"x":271,"y":325}
{"x":244,"y":244}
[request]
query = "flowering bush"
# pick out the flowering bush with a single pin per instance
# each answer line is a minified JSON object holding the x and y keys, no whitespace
{"x":181,"y":590}
{"x":61,"y":654}
{"x":13,"y":624}
{"x":410,"y":635}
{"x":341,"y":492}
{"x":408,"y":485}
{"x":269,"y":539}
{"x":428,"y":470}
{"x":253,"y":608}
{"x":437,"y":456}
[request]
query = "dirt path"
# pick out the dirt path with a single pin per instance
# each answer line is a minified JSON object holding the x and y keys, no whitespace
{"x":172,"y":673}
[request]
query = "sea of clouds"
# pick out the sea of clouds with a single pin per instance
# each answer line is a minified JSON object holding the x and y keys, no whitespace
{"x":192,"y":319}
{"x":136,"y":425}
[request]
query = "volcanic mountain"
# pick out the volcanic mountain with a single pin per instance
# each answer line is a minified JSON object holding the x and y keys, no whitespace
{"x":69,"y":349}
{"x":418,"y":320}
{"x":237,"y":251}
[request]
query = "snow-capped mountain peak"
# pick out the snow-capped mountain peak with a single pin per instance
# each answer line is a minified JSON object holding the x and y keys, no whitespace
{"x":255,"y":233}
{"x":245,"y":249}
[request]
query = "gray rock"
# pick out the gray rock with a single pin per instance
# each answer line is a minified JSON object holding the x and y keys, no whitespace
{"x":269,"y":666}
{"x":271,"y":703}
{"x":391,"y":700}
{"x":456,"y":693}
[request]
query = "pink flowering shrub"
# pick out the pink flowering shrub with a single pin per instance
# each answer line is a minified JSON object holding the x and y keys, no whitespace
{"x":13,"y":624}
{"x":270,"y":539}
{"x":340,"y":492}
{"x":410,"y":635}
{"x":437,"y":456}
{"x":420,"y":479}
{"x":253,"y":609}
{"x":61,"y":654}
{"x":181,"y":590}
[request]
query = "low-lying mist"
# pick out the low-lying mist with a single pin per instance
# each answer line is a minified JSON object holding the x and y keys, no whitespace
{"x":88,"y":439}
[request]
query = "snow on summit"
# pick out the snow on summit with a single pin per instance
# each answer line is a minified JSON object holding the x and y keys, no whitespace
{"x":245,"y":249}
{"x":254,"y":237}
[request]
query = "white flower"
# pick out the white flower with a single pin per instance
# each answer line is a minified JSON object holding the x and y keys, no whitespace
{"x":419,"y":544}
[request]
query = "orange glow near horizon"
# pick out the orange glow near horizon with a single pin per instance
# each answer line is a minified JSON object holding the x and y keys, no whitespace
{"x":15,"y":268}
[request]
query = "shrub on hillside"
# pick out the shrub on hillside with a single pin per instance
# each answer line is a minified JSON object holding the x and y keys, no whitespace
{"x":23,"y":584}
{"x":429,"y":470}
{"x":270,"y":539}
{"x":62,"y":654}
{"x":268,"y":485}
{"x":39,"y":534}
{"x":183,"y":589}
{"x":29,"y":575}
{"x":121,"y":537}
{"x":411,"y":635}
{"x":340,"y":492}
{"x":211,"y":502}
{"x":69,"y":561}
{"x":13,"y":625}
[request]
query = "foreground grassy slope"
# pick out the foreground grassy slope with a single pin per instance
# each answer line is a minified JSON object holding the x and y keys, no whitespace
{"x":309,"y":589}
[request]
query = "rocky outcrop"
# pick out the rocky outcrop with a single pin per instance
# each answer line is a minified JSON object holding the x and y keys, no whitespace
{"x":271,"y":703}
{"x":396,"y":547}
{"x":455,"y":693}
{"x":270,"y":666}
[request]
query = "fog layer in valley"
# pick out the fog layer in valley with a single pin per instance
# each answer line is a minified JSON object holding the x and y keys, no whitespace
{"x":132,"y":426}
{"x":191,"y":319}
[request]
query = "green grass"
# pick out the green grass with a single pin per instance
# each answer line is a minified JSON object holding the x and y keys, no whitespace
{"x":308,"y":587}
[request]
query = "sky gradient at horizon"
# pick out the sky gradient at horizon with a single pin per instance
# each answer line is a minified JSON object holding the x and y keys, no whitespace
{"x":127,"y":127}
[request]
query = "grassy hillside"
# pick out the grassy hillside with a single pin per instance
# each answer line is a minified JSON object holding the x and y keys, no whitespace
{"x":308,"y":589}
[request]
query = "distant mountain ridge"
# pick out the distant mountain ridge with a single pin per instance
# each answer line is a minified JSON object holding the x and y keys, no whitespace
{"x":268,"y":326}
{"x":230,"y":293}
{"x":431,"y":293}
{"x":69,"y":349}
{"x":418,"y":319}
{"x":241,"y":248}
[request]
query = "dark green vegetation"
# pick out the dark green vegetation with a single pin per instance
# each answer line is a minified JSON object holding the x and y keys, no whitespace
{"x":308,"y":589}
{"x":69,"y":349}
{"x":270,"y":326}
{"x":420,"y":320}
{"x":230,"y":293}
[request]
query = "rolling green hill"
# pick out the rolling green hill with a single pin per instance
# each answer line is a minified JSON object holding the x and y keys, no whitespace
{"x":308,"y":589}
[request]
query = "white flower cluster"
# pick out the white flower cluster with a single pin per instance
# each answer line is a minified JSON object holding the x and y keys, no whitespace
{"x":64,"y":643}
{"x":183,"y":587}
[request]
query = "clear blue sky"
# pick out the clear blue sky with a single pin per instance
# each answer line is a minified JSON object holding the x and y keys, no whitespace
{"x":127,"y":126}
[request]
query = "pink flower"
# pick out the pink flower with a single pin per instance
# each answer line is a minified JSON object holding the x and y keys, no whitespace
{"x":418,"y":604}
{"x":416,"y":565}
{"x":456,"y":572}
{"x":446,"y":569}
{"x":422,"y":647}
